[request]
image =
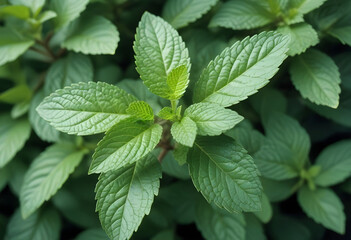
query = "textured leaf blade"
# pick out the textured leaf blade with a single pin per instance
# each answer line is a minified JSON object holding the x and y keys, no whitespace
{"x":125,"y":196}
{"x":302,"y":37}
{"x":13,"y":135}
{"x":215,"y":223}
{"x":73,"y":69}
{"x":94,"y":35}
{"x":125,"y":143}
{"x":179,"y":13}
{"x":317,"y":78}
{"x":225,"y":174}
{"x":177,"y":81}
{"x":39,"y":226}
{"x":184,"y":131}
{"x":47,"y":174}
{"x":334,"y":161}
{"x":284,"y":130}
{"x":212,"y":119}
{"x":155,"y":55}
{"x":141,"y":110}
{"x":86,"y":108}
{"x":255,"y":60}
{"x":324,"y":206}
{"x":12,"y":45}
{"x":239,"y":15}
{"x":67,"y":10}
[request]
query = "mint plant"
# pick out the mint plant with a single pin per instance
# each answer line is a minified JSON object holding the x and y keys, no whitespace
{"x":129,"y":172}
{"x":175,"y":120}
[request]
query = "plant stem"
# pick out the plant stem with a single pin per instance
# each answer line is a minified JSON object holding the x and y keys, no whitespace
{"x":174,"y":106}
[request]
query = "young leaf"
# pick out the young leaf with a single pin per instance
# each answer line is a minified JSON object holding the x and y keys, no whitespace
{"x":73,"y":69}
{"x":34,"y":5}
{"x":126,"y":195}
{"x":225,"y":174}
{"x":284,"y":130}
{"x":86,"y":108}
{"x":302,"y":37}
{"x":167,"y":113}
{"x":317,"y":78}
{"x":184,"y":131}
{"x":334,"y":161}
{"x":324,"y":206}
{"x":239,"y":15}
{"x":155,"y":55}
{"x":254,"y":60}
{"x":125,"y":143}
{"x":177,"y":81}
{"x":305,"y":6}
{"x":42,"y":225}
{"x":67,"y":10}
{"x":212,"y":119}
{"x":215,"y":223}
{"x":47,"y":174}
{"x":18,"y":11}
{"x":276,"y":161}
{"x":141,"y":110}
{"x":93,"y":35}
{"x":180,"y":153}
{"x":12,"y":45}
{"x":179,"y":13}
{"x":13,"y":135}
{"x":42,"y":128}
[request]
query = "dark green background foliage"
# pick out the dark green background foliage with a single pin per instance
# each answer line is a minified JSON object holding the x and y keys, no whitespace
{"x":176,"y":119}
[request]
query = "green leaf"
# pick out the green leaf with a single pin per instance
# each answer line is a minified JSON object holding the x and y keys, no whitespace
{"x":254,"y":59}
{"x":239,"y":15}
{"x":94,"y":35}
{"x":216,"y":223}
{"x":126,"y":195}
{"x":19,"y":109}
{"x":46,"y":175}
{"x":16,"y":94}
{"x":317,"y":78}
{"x":341,"y":30}
{"x":266,"y":214}
{"x":184,"y":131}
{"x":284,"y":130}
{"x":334,"y":161}
{"x":179,"y":13}
{"x":42,"y":128}
{"x":324,"y":207}
{"x":125,"y":143}
{"x":141,"y":110}
{"x":177,"y":81}
{"x":67,"y":10}
{"x":13,"y":135}
{"x":92,"y":234}
{"x":180,"y":153}
{"x":305,"y":6}
{"x":86,"y":108}
{"x":74,"y":68}
{"x":12,"y":45}
{"x":276,"y":161}
{"x":302,"y":37}
{"x":278,"y":191}
{"x":42,"y":225}
{"x":47,"y":15}
{"x":254,"y":229}
{"x":167,"y":113}
{"x":212,"y":119}
{"x":156,"y":56}
{"x":4,"y":177}
{"x":171,"y":167}
{"x":225,"y":174}
{"x":34,"y":5}
{"x":18,"y":11}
